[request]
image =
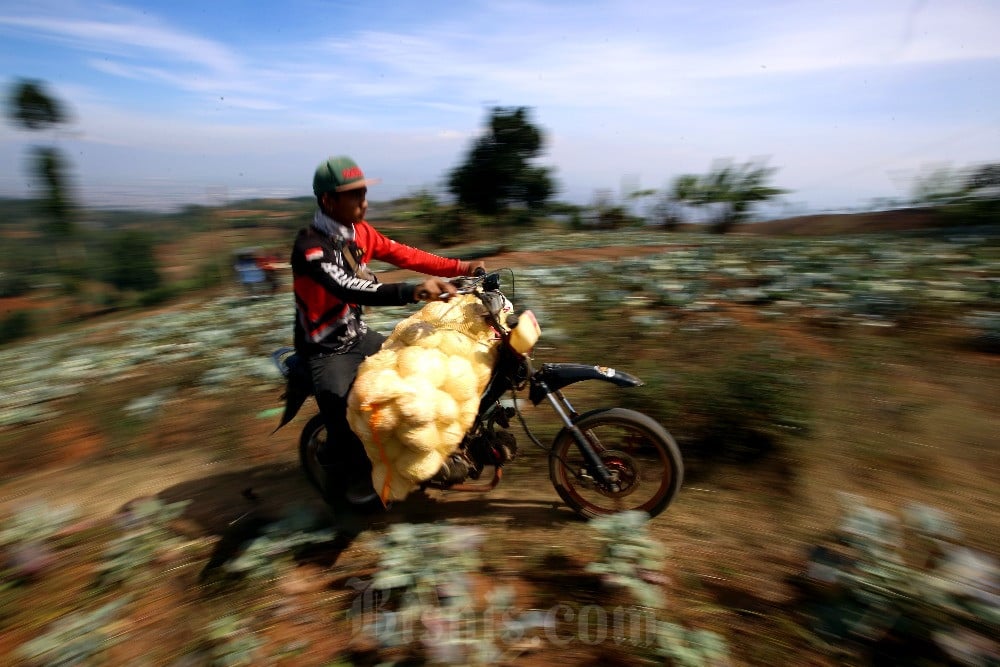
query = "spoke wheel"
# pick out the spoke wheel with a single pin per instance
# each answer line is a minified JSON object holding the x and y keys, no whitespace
{"x":643,"y":459}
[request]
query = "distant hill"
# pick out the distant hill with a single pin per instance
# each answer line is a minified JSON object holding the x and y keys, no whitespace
{"x":19,"y":218}
{"x":834,"y":224}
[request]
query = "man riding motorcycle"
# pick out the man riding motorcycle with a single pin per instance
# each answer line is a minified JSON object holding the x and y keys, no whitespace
{"x":331,"y":284}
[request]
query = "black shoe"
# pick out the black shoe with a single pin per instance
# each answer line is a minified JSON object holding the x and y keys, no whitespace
{"x":454,"y":470}
{"x":360,"y":492}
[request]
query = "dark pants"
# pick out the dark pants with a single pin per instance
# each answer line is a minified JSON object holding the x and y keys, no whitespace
{"x":333,"y":375}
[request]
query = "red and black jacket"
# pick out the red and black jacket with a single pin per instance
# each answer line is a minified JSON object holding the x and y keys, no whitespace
{"x":332,"y":282}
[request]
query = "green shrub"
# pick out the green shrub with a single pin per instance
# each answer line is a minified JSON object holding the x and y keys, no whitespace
{"x":448,"y":226}
{"x":212,"y":274}
{"x":14,"y":283}
{"x":20,"y":261}
{"x":130,"y":261}
{"x":144,"y":536}
{"x":75,"y":639}
{"x":630,"y":558}
{"x":263,"y":557}
{"x":15,"y":325}
{"x":742,"y":405}
{"x":157,"y":296}
{"x":633,"y":560}
{"x":902,"y":591}
{"x":233,"y":642}
{"x":421,"y":600}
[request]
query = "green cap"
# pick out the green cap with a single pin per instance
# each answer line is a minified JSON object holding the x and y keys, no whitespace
{"x":339,"y":173}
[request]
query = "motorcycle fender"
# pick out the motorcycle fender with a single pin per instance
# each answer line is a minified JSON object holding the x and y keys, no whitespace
{"x":297,"y":390}
{"x":553,"y":377}
{"x":294,"y":398}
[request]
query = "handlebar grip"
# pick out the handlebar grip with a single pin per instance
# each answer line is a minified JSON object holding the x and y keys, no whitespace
{"x":480,"y":271}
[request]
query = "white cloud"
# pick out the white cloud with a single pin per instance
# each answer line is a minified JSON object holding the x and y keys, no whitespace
{"x":130,"y":37}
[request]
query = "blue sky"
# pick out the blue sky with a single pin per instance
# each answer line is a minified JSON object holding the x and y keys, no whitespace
{"x":206,"y":101}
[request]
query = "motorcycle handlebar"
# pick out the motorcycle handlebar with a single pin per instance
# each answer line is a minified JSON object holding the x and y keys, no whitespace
{"x":490,"y":282}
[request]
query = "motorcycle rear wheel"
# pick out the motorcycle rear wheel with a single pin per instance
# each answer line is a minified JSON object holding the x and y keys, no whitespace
{"x":313,"y":436}
{"x":639,"y":452}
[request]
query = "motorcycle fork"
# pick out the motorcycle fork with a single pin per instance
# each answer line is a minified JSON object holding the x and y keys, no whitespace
{"x":563,"y":408}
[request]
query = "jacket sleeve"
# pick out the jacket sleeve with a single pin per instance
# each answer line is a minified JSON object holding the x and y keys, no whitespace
{"x":407,"y":257}
{"x":314,"y":268}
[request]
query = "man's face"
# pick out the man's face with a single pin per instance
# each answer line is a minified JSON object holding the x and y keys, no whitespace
{"x":347,"y":207}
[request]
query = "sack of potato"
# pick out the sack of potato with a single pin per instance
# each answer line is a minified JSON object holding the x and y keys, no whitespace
{"x":414,"y":399}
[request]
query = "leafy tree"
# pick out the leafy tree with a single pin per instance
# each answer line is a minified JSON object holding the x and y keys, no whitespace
{"x":981,"y":196}
{"x":131,"y":262}
{"x":966,"y":196}
{"x":497,"y":175}
{"x":31,"y":107}
{"x":984,"y":181}
{"x":607,"y":214}
{"x":51,"y":167}
{"x":676,"y":200}
{"x":727,"y":193}
{"x":443,"y":225}
{"x":18,"y":263}
{"x":14,"y":325}
{"x":940,"y":186}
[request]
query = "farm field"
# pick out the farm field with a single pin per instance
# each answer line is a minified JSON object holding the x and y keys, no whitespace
{"x":140,"y":472}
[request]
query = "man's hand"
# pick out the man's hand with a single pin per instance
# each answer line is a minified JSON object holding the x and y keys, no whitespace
{"x":433,"y":289}
{"x":469,"y":268}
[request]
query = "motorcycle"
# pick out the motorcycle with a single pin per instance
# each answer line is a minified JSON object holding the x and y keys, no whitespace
{"x":602,"y":461}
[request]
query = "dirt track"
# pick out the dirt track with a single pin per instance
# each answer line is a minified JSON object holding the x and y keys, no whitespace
{"x":100,"y":488}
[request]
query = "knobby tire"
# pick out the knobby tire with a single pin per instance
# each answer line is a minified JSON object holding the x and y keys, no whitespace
{"x":629,"y":442}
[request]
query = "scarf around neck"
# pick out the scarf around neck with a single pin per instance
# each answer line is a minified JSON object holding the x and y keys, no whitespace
{"x":330,"y":227}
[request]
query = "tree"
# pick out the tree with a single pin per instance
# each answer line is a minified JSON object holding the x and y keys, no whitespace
{"x":676,"y":200}
{"x":131,"y":261}
{"x":981,"y":201}
{"x":727,"y":193}
{"x":984,"y":181}
{"x":497,"y":174}
{"x":966,"y":196}
{"x":937,"y":187}
{"x":609,"y":214}
{"x":440,"y":224}
{"x":31,"y":107}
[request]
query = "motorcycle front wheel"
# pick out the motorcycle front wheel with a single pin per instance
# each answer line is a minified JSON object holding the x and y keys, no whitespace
{"x":313,"y":436}
{"x":643,"y":460}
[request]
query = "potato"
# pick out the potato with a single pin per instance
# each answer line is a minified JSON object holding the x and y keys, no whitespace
{"x":422,"y":438}
{"x":463,"y":380}
{"x":414,"y":400}
{"x":385,"y":418}
{"x":379,"y":386}
{"x":453,"y":343}
{"x":442,"y":312}
{"x":451,"y":434}
{"x":421,"y":362}
{"x":399,"y":487}
{"x":409,"y":332}
{"x":419,"y":466}
{"x":447,"y":407}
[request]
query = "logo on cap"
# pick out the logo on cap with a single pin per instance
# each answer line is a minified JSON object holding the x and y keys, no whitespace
{"x":351,"y":173}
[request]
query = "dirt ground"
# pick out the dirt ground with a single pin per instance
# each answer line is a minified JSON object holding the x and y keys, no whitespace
{"x":733,"y":546}
{"x":522,"y":518}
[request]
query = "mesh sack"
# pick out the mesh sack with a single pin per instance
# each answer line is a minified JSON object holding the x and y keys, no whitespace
{"x":414,"y":400}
